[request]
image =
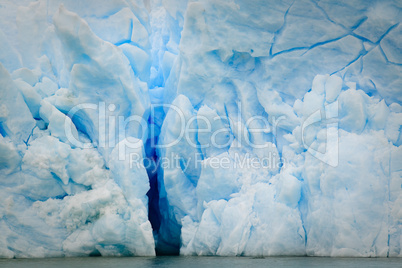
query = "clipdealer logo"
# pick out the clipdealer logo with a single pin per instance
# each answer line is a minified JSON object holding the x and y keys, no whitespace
{"x":112,"y":130}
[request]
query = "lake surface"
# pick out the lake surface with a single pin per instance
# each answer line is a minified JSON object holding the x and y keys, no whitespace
{"x":99,"y":262}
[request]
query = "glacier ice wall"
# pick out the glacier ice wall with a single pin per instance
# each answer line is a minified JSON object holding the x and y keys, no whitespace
{"x":68,"y":188}
{"x":205,"y":127}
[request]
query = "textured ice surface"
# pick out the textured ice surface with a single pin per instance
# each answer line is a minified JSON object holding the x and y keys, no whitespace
{"x":57,"y":198}
{"x":108,"y":110}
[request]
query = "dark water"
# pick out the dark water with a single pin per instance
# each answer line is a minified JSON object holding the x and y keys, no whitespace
{"x":231,"y":262}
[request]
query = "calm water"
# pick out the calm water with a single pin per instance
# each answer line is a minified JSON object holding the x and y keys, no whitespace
{"x":98,"y":262}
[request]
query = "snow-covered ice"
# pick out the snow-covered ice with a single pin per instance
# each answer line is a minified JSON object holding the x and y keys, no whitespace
{"x":200,"y":127}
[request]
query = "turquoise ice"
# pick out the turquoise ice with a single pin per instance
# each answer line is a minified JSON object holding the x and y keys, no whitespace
{"x":254,"y":128}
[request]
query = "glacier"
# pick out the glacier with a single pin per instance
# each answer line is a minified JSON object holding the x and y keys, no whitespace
{"x":200,"y":127}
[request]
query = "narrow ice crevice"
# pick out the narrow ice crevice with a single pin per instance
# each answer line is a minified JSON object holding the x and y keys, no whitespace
{"x":360,"y":56}
{"x":348,"y":30}
{"x":326,"y":14}
{"x":387,"y":32}
{"x":364,"y":52}
{"x":162,"y":47}
{"x":281,"y":28}
{"x":30,"y":135}
{"x":308,"y":48}
{"x":386,"y":58}
{"x":362,"y":38}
